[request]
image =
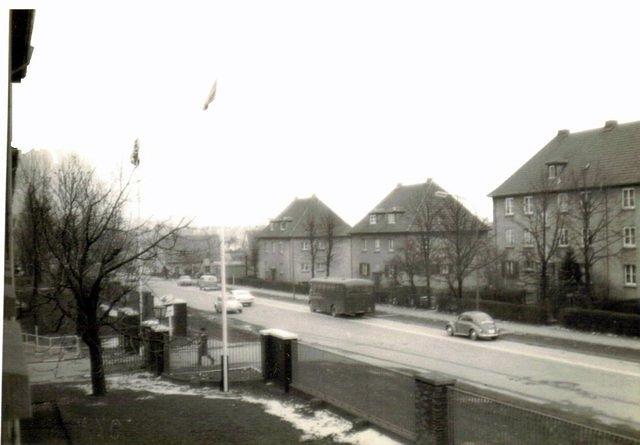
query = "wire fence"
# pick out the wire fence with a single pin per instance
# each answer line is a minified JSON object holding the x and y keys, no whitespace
{"x":474,"y":418}
{"x":60,"y":347}
{"x":383,"y":397}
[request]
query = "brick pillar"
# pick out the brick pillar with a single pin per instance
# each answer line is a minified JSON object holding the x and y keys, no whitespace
{"x":432,"y":419}
{"x":279,"y":350}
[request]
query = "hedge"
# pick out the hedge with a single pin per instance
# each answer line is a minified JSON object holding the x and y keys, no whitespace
{"x":601,"y":321}
{"x":300,"y":288}
{"x":497,"y":309}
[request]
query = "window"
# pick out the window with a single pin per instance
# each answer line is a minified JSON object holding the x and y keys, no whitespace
{"x":304,"y":267}
{"x":273,"y":247}
{"x":390,"y":270}
{"x":281,"y":247}
{"x":564,"y":238}
{"x":527,"y":206}
{"x":510,"y":239}
{"x":283,"y":226}
{"x":630,"y":275}
{"x":321,"y":245}
{"x":529,"y":265}
{"x":321,"y":267}
{"x":305,"y":245}
{"x":629,"y":238}
{"x":272,"y":226}
{"x":628,"y":198}
{"x":586,"y":237}
{"x":390,"y":245}
{"x":391,"y":218}
{"x":364,"y":245}
{"x":508,"y":206}
{"x":563,"y":202}
{"x":552,"y":171}
{"x":510,"y":269}
{"x":364,"y":269}
{"x":444,"y":269}
{"x":376,"y":246}
{"x":528,"y":238}
{"x":373,"y":219}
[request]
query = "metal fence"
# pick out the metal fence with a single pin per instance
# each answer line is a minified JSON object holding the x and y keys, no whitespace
{"x":64,"y":346}
{"x":383,"y":397}
{"x":190,"y":357}
{"x":474,"y":418}
{"x":120,"y":354}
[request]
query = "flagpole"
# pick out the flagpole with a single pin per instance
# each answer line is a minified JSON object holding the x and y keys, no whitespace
{"x":225,"y":353}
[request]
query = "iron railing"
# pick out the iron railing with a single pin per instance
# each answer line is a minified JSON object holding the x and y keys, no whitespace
{"x":475,"y":418}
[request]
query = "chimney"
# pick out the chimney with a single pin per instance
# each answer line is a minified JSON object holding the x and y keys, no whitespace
{"x":562,"y":133}
{"x":610,"y":125}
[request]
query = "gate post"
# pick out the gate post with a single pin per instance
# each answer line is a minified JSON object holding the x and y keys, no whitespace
{"x":432,"y":409}
{"x":279,"y":351}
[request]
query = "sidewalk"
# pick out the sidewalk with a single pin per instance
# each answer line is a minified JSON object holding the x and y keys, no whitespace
{"x":558,"y":333}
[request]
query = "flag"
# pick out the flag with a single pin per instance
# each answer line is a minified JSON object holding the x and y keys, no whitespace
{"x":212,"y":95}
{"x":135,"y":158}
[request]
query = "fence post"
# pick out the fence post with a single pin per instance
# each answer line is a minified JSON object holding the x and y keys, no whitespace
{"x":77,"y":339}
{"x":279,"y":350}
{"x":432,"y":416}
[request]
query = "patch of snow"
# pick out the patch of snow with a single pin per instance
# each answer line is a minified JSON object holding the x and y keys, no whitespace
{"x":313,"y":424}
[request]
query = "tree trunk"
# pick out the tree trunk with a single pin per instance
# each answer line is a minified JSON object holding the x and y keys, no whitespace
{"x":427,"y":270}
{"x":98,"y":383}
{"x":587,"y":283}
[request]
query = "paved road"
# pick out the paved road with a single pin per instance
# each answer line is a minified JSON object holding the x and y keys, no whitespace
{"x":605,"y":389}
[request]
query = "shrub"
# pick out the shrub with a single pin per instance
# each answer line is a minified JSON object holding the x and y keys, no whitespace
{"x":300,"y":288}
{"x":497,"y":309}
{"x":626,"y":306}
{"x":601,"y":321}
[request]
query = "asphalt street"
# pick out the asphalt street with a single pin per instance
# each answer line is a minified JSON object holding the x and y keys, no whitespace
{"x":592,"y":386}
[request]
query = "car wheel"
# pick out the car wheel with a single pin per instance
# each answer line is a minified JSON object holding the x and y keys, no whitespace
{"x":239,"y":311}
{"x":450,"y":331}
{"x":334,"y":313}
{"x":473,"y":335}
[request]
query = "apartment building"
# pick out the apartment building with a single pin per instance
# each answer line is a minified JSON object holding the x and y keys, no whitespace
{"x":589,"y":183}
{"x":378,"y":239}
{"x":294,"y":246}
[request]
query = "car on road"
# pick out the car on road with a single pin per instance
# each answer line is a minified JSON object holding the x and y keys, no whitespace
{"x":185,"y":280}
{"x":243,"y":296}
{"x":474,"y":324}
{"x":208,"y":282}
{"x":233,"y":305}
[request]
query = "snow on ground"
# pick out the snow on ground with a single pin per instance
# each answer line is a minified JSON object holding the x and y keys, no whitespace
{"x":315,"y":424}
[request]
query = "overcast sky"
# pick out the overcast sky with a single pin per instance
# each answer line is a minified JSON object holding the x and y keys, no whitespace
{"x":343,"y":99}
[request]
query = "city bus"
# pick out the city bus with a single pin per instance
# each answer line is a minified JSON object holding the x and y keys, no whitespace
{"x":337,"y":296}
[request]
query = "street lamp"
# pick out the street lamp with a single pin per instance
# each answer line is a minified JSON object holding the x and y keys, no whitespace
{"x":443,"y":194}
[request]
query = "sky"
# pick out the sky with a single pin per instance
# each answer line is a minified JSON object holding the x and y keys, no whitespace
{"x":342,"y":99}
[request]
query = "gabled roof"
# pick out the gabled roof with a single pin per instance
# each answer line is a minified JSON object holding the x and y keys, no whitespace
{"x":404,"y":201}
{"x":613,"y":151}
{"x":296,"y":216}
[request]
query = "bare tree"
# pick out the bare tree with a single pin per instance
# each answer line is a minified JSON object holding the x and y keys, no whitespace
{"x":544,"y":223}
{"x":427,"y":213}
{"x":590,"y":221}
{"x":33,"y":188}
{"x":89,"y":241}
{"x":251,"y":248}
{"x":409,"y":261}
{"x":312,"y":234}
{"x":328,"y":225}
{"x":464,"y":240}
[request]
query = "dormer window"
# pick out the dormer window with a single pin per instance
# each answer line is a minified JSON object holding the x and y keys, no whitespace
{"x":391,"y":218}
{"x":373,"y":219}
{"x":555,"y":168}
{"x":272,"y":226}
{"x":552,"y":171}
{"x":283,"y":226}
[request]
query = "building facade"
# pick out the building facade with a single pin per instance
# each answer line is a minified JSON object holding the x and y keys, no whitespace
{"x":294,"y":246}
{"x":379,"y":240}
{"x":586,"y":184}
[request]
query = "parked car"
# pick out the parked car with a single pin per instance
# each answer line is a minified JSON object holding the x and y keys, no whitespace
{"x":233,"y":305}
{"x":185,"y":280}
{"x":243,"y":296}
{"x":473,"y":324}
{"x":208,"y":282}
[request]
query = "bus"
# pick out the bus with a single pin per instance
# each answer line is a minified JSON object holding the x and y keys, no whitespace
{"x":337,"y":296}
